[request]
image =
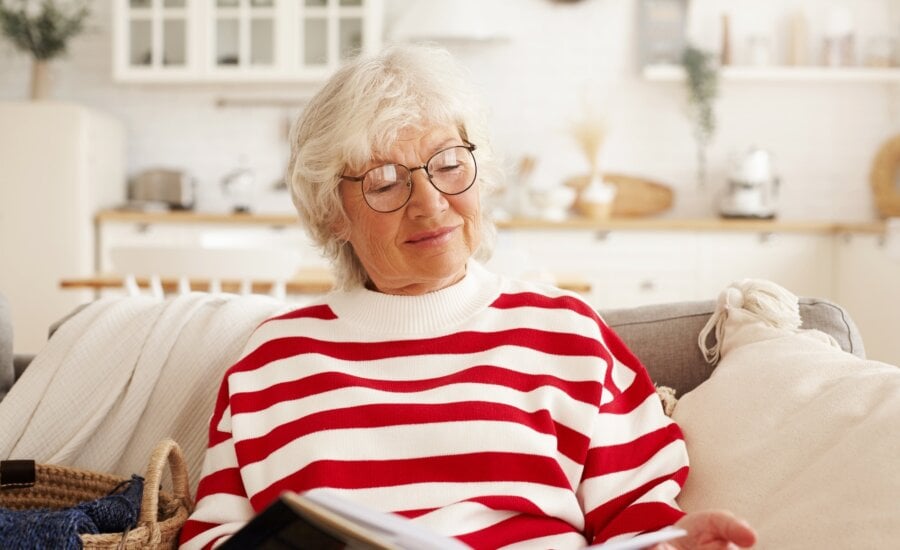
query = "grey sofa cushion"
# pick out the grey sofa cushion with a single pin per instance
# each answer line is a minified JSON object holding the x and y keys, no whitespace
{"x":664,"y":337}
{"x":7,"y":372}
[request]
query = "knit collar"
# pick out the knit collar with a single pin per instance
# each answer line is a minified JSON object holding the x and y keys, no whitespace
{"x":376,"y":312}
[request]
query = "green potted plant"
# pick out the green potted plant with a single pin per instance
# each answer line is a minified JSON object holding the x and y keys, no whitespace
{"x":43,"y":29}
{"x":702,"y":80}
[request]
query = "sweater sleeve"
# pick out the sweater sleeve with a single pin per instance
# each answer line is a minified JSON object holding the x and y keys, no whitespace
{"x":637,"y":460}
{"x":222,"y":504}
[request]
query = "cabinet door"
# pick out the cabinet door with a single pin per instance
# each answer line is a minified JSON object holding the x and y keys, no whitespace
{"x":212,"y":251}
{"x":240,"y":40}
{"x":153,"y":39}
{"x":868,"y":286}
{"x":802,"y":263}
{"x":243,"y":36}
{"x":623,"y":268}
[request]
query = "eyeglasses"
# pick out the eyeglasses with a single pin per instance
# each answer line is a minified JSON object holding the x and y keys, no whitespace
{"x":388,"y":187}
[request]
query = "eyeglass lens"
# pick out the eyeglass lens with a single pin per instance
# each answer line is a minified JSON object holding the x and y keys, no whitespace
{"x":387,"y":188}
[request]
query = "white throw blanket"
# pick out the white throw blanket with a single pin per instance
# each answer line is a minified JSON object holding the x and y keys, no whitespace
{"x":125,"y":373}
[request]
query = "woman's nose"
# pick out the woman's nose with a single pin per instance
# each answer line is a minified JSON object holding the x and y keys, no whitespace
{"x":426,"y":199}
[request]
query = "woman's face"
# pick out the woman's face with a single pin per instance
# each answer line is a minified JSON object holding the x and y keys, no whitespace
{"x":423,"y":246}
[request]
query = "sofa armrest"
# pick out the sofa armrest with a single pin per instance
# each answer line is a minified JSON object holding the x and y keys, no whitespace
{"x":664,"y":336}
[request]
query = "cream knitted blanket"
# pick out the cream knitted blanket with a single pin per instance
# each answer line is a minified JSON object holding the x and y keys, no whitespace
{"x":125,"y":373}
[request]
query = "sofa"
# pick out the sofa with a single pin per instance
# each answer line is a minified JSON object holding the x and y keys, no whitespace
{"x":663,"y":336}
{"x":675,"y":341}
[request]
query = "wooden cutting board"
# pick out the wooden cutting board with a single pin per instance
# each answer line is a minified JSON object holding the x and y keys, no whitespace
{"x":635,"y":197}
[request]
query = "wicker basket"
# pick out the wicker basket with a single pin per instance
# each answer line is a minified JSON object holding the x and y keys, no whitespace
{"x":162,"y":513}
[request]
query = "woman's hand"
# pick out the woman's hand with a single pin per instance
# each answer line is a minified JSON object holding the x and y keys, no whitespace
{"x":712,"y":530}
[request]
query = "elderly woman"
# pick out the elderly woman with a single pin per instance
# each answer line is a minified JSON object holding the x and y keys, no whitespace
{"x":499,"y":412}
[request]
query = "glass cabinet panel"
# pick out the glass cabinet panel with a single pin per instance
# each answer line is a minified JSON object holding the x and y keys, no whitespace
{"x":245,"y":33}
{"x":141,"y":46}
{"x":228,"y":42}
{"x":315,"y":41}
{"x":157,"y":33}
{"x":239,"y":40}
{"x":262,"y":42}
{"x":174,"y":42}
{"x":350,"y":36}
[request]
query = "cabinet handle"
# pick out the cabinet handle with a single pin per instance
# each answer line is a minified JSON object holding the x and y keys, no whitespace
{"x":647,"y":285}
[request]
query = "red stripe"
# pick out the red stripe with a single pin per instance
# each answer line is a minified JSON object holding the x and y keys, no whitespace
{"x":640,"y":518}
{"x":516,"y":529}
{"x":531,"y":299}
{"x":323,"y":312}
{"x":627,"y":456}
{"x":552,"y":343}
{"x":215,"y":435}
{"x":247,"y":402}
{"x":638,"y":392}
{"x":227,"y":481}
{"x":618,"y":349}
{"x":192,"y":528}
{"x":461,"y":468}
{"x":505,"y":503}
{"x":602,"y":518}
{"x":569,"y":442}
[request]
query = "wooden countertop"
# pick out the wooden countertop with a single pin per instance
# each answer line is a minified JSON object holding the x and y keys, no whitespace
{"x":632,"y":224}
{"x":313,"y":281}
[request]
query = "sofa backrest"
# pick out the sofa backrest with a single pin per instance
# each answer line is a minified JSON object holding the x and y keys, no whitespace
{"x":7,"y":372}
{"x":664,"y":336}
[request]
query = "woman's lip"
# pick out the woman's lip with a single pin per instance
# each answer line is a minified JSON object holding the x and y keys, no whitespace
{"x":429,"y":235}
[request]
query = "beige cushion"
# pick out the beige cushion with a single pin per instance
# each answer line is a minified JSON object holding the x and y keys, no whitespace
{"x":797,"y":436}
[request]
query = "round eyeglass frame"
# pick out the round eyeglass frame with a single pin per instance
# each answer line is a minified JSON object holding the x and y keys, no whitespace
{"x":409,"y":171}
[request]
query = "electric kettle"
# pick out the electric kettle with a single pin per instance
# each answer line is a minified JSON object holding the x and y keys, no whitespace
{"x":752,"y":188}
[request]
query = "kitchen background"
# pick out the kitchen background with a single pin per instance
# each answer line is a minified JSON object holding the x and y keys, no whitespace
{"x":543,"y":66}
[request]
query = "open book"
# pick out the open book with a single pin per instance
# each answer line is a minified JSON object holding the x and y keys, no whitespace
{"x":321,"y":520}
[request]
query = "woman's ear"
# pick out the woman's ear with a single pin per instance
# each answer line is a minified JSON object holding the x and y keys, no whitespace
{"x":340,"y":226}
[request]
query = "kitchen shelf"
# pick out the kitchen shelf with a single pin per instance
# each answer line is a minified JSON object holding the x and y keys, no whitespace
{"x":674,"y":73}
{"x":638,"y":224}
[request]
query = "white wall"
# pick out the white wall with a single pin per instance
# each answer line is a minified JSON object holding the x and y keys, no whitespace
{"x":823,"y":135}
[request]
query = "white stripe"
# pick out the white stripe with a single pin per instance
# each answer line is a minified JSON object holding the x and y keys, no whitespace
{"x":606,"y":397}
{"x":616,"y":429}
{"x":395,"y":443}
{"x":514,"y":358}
{"x":665,"y":492}
{"x":563,"y":541}
{"x":224,"y":424}
{"x":569,"y":412}
{"x":622,"y":376}
{"x":219,"y":457}
{"x":223,"y":508}
{"x":601,"y":489}
{"x":461,"y":518}
{"x":552,"y":320}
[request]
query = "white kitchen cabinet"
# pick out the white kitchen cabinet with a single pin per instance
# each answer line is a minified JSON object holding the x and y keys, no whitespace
{"x":868,"y":273}
{"x":240,"y":40}
{"x":209,"y":251}
{"x":628,"y":268}
{"x":800,"y":262}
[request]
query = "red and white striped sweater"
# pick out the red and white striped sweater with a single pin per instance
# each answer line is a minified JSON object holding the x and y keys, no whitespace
{"x":503,"y":413}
